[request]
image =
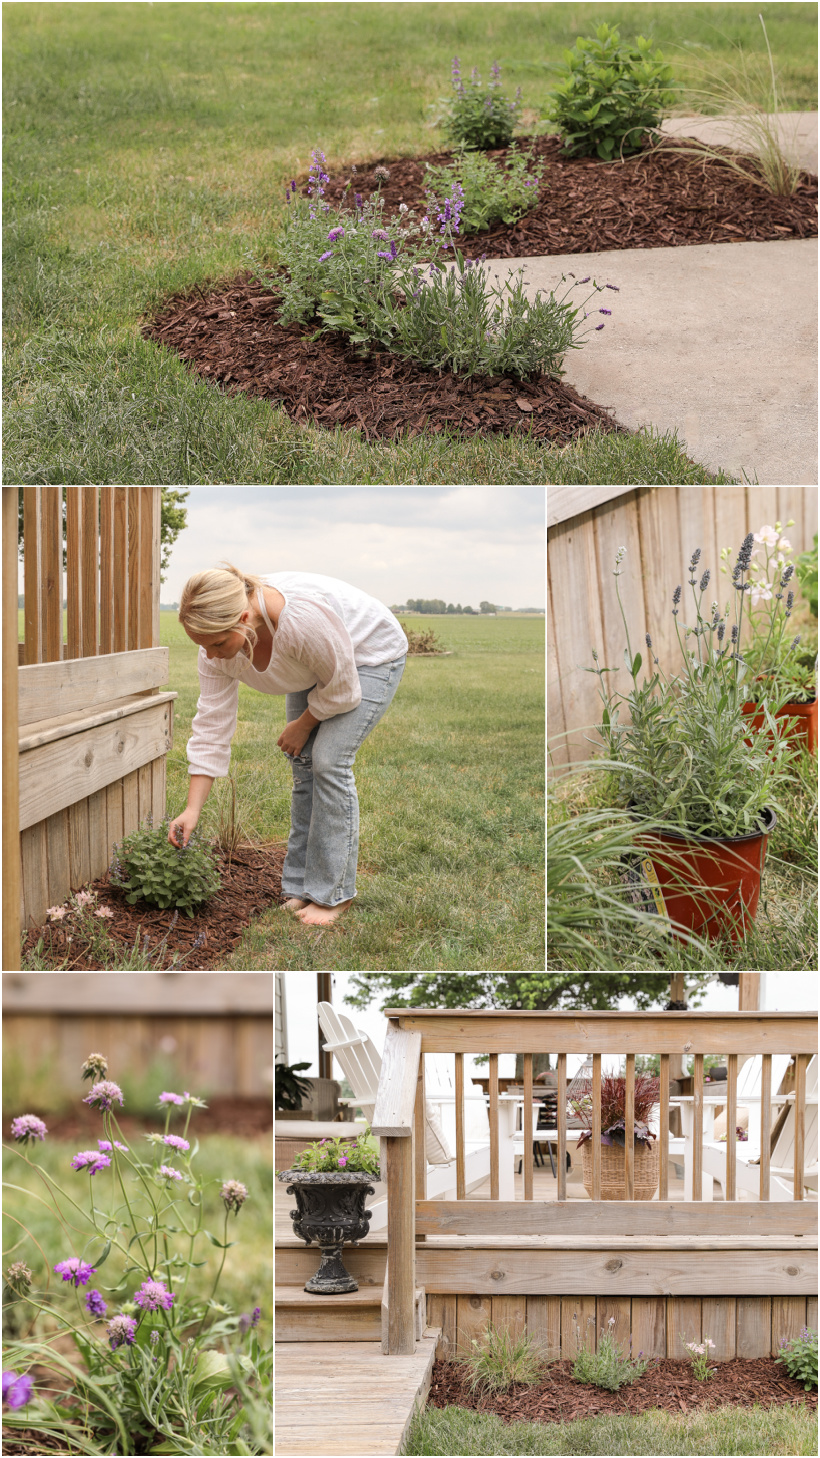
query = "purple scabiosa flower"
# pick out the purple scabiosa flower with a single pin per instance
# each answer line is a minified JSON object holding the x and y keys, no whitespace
{"x":28,"y":1126}
{"x":170,"y":1098}
{"x":121,"y":1331}
{"x":104,"y":1095}
{"x":168,"y":1172}
{"x":152,"y":1295}
{"x":105,"y":1146}
{"x":334,"y":234}
{"x":17,"y":1390}
{"x":174,"y":1141}
{"x":326,"y":256}
{"x":95,"y":1304}
{"x":92,"y":1160}
{"x":76,"y":1271}
{"x":234,"y":1194}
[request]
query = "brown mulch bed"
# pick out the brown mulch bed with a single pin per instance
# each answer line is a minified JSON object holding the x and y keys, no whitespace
{"x":225,"y":1114}
{"x":668,"y":1384}
{"x":230,"y":334}
{"x":249,"y":887}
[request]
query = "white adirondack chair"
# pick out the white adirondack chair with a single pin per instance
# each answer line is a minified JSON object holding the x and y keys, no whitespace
{"x":747,"y":1166}
{"x":361,"y":1063}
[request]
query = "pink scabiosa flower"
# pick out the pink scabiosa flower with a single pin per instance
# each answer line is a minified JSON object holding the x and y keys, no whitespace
{"x":121,"y":1331}
{"x":154,"y":1294}
{"x":95,"y":1304}
{"x":104,"y":1095}
{"x":76,"y":1271}
{"x":167,"y":1172}
{"x":28,"y":1126}
{"x":175,"y":1141}
{"x":92,"y":1160}
{"x":17,"y":1390}
{"x":234,"y":1194}
{"x":105,"y":1146}
{"x":170,"y":1098}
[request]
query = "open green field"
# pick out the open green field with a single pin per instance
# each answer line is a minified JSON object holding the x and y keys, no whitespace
{"x":451,"y":786}
{"x":145,"y":152}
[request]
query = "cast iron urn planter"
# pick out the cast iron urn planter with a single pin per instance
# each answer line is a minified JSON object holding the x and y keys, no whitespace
{"x":330,"y":1213}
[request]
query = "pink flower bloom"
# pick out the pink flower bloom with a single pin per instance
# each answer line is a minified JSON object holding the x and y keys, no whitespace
{"x":152,"y":1295}
{"x":104,"y":911}
{"x":56,"y":913}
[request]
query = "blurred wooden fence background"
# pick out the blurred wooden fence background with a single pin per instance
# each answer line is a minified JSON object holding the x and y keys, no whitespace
{"x":660,"y":526}
{"x":215,"y":1027}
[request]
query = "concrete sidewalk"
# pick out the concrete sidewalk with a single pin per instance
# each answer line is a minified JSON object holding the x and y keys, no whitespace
{"x":717,"y":341}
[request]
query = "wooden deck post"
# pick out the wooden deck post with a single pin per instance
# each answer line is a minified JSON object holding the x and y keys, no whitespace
{"x":11,"y":806}
{"x":393,"y":1121}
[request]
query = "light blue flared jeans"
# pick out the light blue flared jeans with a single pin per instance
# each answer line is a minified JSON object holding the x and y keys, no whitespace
{"x":323,"y":846}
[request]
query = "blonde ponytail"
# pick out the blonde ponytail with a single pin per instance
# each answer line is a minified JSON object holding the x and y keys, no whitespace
{"x":214,"y":601}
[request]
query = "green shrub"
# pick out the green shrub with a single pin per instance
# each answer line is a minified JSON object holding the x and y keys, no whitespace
{"x":799,"y":1357}
{"x":493,"y":192}
{"x":611,"y":95}
{"x":480,"y":117}
{"x":150,"y":869}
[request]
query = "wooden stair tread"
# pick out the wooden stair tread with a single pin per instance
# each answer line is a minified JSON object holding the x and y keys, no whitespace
{"x":298,"y":1296}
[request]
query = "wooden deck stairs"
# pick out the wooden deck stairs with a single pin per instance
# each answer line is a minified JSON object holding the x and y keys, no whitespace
{"x":355,"y":1316}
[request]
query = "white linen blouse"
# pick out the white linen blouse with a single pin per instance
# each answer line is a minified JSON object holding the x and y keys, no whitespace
{"x":327,"y":629}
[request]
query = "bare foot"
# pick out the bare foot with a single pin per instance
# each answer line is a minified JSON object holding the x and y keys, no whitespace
{"x":314,"y":915}
{"x":295,"y":903}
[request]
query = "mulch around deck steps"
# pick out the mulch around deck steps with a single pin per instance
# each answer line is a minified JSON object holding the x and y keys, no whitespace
{"x":251,"y":884}
{"x":230,"y":334}
{"x":668,"y":1384}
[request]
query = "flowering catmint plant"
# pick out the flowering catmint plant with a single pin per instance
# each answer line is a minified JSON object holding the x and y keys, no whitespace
{"x":492,"y":191}
{"x":480,"y":116}
{"x":148,"y":868}
{"x":162,"y":1369}
{"x":683,"y":758}
{"x":799,"y":1357}
{"x":384,"y":284}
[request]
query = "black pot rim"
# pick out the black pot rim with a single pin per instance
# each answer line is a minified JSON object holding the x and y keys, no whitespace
{"x":767,"y":815}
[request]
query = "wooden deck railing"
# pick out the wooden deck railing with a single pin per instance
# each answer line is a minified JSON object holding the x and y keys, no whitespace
{"x":399,"y":1121}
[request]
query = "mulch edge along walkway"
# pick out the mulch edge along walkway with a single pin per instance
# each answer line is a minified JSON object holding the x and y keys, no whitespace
{"x":659,"y":198}
{"x":668,"y":1384}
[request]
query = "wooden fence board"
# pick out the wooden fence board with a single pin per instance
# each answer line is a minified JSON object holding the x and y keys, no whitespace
{"x":754,"y":1326}
{"x":788,"y":1318}
{"x":130,"y":801}
{"x":544,"y":1324}
{"x":510,"y":1313}
{"x":79,"y":853}
{"x":97,"y":834}
{"x":811,"y":1313}
{"x":70,"y":995}
{"x":59,"y":865}
{"x":578,"y":1327}
{"x":472,"y":1316}
{"x":76,"y":685}
{"x":719,"y":1323}
{"x":649,"y":1326}
{"x":683,"y":1324}
{"x":34,"y":857}
{"x":614,"y":1315}
{"x":442,"y":1313}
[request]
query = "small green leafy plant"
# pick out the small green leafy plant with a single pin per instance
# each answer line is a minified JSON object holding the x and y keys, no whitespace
{"x":498,"y":1359}
{"x":290,"y":1089}
{"x":799,"y":1357}
{"x":480,"y":116}
{"x":699,"y":1357}
{"x":332,"y":1156}
{"x":806,"y":569}
{"x":611,"y":95}
{"x":608,"y":1367}
{"x":148,"y":868}
{"x":493,"y":192}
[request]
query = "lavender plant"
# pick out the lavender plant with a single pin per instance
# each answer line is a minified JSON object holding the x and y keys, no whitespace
{"x":608,"y":1367}
{"x":799,"y":1357}
{"x":388,"y":286}
{"x":480,"y":116}
{"x":684,"y":757}
{"x":772,"y":652}
{"x":162,"y":1371}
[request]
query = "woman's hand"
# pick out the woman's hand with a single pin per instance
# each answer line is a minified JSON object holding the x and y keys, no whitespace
{"x":295,"y":735}
{"x":179,"y":831}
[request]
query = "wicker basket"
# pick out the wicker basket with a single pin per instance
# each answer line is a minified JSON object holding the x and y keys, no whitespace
{"x":613,"y":1179}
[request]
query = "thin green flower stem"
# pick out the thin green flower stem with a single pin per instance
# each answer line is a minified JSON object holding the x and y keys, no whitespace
{"x":46,"y":1177}
{"x":91,"y":1202}
{"x":50,"y":1311}
{"x":187,"y":1122}
{"x":135,"y":1167}
{"x":148,"y":1267}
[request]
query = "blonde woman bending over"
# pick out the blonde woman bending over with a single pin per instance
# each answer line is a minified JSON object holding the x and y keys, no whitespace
{"x":338,"y":655}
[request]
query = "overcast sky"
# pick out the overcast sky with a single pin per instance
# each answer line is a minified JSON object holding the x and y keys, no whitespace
{"x":459,"y":543}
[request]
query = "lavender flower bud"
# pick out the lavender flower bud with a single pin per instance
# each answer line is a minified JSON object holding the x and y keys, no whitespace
{"x":675,"y":600}
{"x":789,"y":601}
{"x":704,"y":581}
{"x":734,"y":633}
{"x":721,"y":632}
{"x":648,"y":641}
{"x":695,"y":559}
{"x":787,"y":575}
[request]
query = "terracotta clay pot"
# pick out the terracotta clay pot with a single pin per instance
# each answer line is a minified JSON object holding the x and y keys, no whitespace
{"x":704,"y":884}
{"x":797,"y":722}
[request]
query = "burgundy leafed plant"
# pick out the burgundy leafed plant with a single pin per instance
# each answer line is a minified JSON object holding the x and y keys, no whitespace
{"x":613,"y":1113}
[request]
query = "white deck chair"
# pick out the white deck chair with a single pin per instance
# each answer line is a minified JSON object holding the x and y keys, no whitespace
{"x":361,"y":1063}
{"x":747,"y":1165}
{"x":781,"y":1168}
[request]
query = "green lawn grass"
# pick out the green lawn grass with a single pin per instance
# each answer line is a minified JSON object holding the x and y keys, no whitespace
{"x":146,"y":149}
{"x":41,"y":1238}
{"x":450,"y":790}
{"x":728,"y":1431}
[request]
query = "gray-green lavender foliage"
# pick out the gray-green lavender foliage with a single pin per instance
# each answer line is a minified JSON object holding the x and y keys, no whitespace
{"x":684,"y":757}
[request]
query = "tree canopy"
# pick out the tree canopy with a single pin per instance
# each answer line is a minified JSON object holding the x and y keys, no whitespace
{"x":533,"y":991}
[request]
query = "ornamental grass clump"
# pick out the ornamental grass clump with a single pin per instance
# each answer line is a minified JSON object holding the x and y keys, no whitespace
{"x":160,"y":1370}
{"x":497,"y":1359}
{"x":480,"y":116}
{"x":683,"y":758}
{"x":385,"y":283}
{"x":149,"y":868}
{"x":608,"y":1367}
{"x":611,"y":97}
{"x":613,"y":1110}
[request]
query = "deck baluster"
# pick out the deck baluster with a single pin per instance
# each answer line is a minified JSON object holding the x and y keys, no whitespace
{"x":494,"y":1190}
{"x":663,"y":1132}
{"x":596,"y":1126}
{"x":765,"y":1125}
{"x":527,"y":1126}
{"x":731,"y":1128}
{"x":562,"y":1126}
{"x":697,"y":1150}
{"x":801,"y":1064}
{"x":461,"y":1182}
{"x":629,"y":1129}
{"x":420,"y":1139}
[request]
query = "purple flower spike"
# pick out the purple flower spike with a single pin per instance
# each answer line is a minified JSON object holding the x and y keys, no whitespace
{"x":325,"y":256}
{"x":585,"y":280}
{"x":612,"y":286}
{"x":604,"y":311}
{"x":599,"y":326}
